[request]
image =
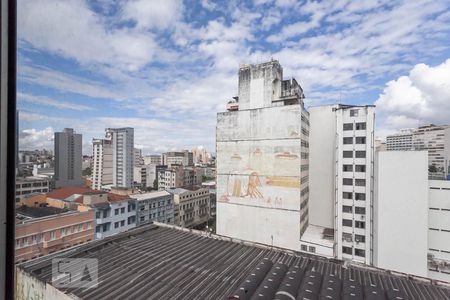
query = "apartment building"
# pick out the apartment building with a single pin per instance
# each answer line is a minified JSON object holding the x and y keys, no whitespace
{"x":154,"y":207}
{"x":435,"y":139}
{"x":341,"y":181}
{"x":30,"y":185}
{"x":184,"y":158}
{"x":138,"y":160}
{"x":44,"y":230}
{"x":152,"y":160}
{"x":200,"y":155}
{"x":102,"y":174}
{"x":439,"y":230}
{"x":122,"y":156}
{"x":68,"y":158}
{"x":262,"y":146}
{"x":401,"y":141}
{"x":191,"y":206}
{"x":170,"y":177}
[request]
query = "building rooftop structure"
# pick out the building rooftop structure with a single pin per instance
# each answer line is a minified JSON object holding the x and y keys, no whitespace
{"x":165,"y":262}
{"x":31,"y":212}
{"x":150,"y":195}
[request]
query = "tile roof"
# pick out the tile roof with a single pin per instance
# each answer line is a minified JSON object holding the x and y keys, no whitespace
{"x":165,"y":262}
{"x":117,"y":198}
{"x":67,"y":191}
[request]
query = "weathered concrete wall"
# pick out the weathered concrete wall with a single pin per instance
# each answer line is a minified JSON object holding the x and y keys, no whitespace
{"x":258,"y":175}
{"x":30,"y":288}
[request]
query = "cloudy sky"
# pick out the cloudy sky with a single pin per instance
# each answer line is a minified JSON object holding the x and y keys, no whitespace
{"x":167,"y":67}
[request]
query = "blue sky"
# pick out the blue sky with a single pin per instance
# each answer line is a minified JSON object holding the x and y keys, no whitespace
{"x":167,"y":67}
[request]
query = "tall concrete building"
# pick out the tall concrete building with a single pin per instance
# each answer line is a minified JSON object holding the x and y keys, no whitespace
{"x":123,"y":155}
{"x":341,"y":185}
{"x":102,"y":163}
{"x":138,"y":160}
{"x":114,"y":159}
{"x":68,"y":158}
{"x":262,"y":159}
{"x":184,"y":158}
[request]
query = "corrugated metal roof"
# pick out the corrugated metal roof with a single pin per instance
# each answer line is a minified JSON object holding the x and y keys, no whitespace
{"x":163,"y":262}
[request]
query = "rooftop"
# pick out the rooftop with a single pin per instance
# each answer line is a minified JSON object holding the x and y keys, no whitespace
{"x":166,"y":262}
{"x":151,"y":195}
{"x":65,"y":192}
{"x":39,"y":212}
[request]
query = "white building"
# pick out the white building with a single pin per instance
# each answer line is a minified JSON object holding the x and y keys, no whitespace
{"x":401,"y":141}
{"x":68,"y":158}
{"x":435,"y":139}
{"x":116,"y":215}
{"x":439,"y":230}
{"x":102,"y":174}
{"x":123,"y":155}
{"x":184,"y":158}
{"x":154,"y":207}
{"x":341,"y":181}
{"x":191,"y":206}
{"x":138,"y":160}
{"x":400,"y":212}
{"x":30,"y":185}
{"x":262,"y":160}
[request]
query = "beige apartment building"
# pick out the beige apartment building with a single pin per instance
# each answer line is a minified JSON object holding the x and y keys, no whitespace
{"x":192,"y":206}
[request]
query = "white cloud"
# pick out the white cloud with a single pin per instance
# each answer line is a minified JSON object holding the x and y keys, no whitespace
{"x":73,"y":31}
{"x":43,"y":100}
{"x":422,"y":97}
{"x":30,"y":139}
{"x":159,"y":14}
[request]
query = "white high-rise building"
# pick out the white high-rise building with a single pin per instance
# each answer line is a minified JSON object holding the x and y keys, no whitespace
{"x":123,"y":155}
{"x":341,"y":179}
{"x":68,"y":158}
{"x":138,"y":160}
{"x":262,"y":160}
{"x":102,"y":163}
{"x":113,"y":159}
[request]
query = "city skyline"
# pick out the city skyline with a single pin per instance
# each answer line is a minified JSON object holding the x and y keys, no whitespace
{"x":150,"y":66}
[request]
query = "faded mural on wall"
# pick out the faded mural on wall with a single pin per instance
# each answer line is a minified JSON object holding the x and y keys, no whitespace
{"x":260,"y":173}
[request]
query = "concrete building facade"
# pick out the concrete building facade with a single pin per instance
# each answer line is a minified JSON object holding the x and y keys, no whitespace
{"x":152,"y":160}
{"x":102,"y":165}
{"x":154,"y":207}
{"x":44,"y":230}
{"x":435,"y":139}
{"x":401,"y":141}
{"x":184,"y":158}
{"x":123,"y":156}
{"x":439,"y":230}
{"x":191,"y":206}
{"x":29,"y":185}
{"x":68,"y":158}
{"x":400,"y":218}
{"x":262,"y":160}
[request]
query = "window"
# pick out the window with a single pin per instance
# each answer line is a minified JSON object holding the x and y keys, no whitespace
{"x":360,"y":182}
{"x":348,"y":140}
{"x":348,"y":126}
{"x":116,"y":224}
{"x":360,"y":139}
{"x":347,"y":154}
{"x":360,"y":210}
{"x":312,"y":249}
{"x":347,"y":168}
{"x":116,"y":211}
{"x":347,"y":209}
{"x":122,"y":223}
{"x":62,"y":231}
{"x":360,"y":238}
{"x":360,"y":154}
{"x":360,"y":168}
{"x":97,"y":215}
{"x":122,"y":210}
{"x":359,"y":224}
{"x":360,"y":252}
{"x":304,"y":248}
{"x":80,"y":227}
{"x":360,"y":196}
{"x":347,"y":195}
{"x":353,"y":113}
{"x":52,"y":235}
{"x":360,"y":126}
{"x":347,"y":181}
{"x":347,"y":250}
{"x":348,"y":223}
